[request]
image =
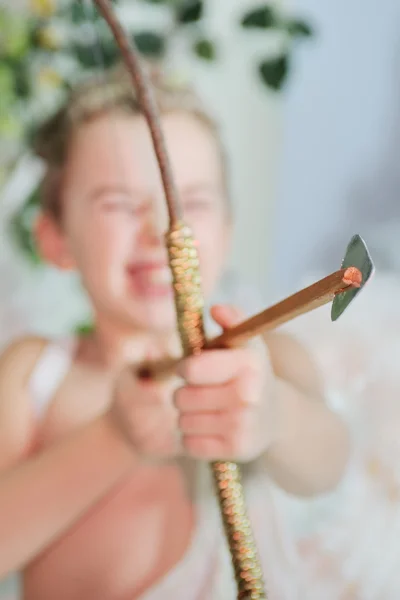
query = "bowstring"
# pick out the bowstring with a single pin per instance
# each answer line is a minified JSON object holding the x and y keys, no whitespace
{"x":98,"y":53}
{"x":96,"y":47}
{"x":90,"y":11}
{"x":99,"y":57}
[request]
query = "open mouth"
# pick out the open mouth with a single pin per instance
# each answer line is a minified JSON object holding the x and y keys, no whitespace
{"x":150,"y":279}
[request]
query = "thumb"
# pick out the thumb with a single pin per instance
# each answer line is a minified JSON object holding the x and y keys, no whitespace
{"x":226,"y":315}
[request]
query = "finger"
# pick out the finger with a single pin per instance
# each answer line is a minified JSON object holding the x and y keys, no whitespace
{"x":206,"y":424}
{"x":215,"y":423}
{"x":226,"y":315}
{"x":216,"y":367}
{"x":205,"y":447}
{"x":207,"y":399}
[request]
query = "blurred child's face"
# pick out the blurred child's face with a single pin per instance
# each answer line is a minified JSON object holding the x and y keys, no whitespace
{"x":115,"y":218}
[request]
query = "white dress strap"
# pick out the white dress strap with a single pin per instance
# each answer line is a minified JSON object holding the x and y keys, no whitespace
{"x":51,"y":368}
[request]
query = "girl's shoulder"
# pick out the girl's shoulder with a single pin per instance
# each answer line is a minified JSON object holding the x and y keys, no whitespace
{"x":31,"y":367}
{"x":19,"y":358}
{"x":17,"y":362}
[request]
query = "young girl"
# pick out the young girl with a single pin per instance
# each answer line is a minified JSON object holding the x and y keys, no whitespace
{"x":105,"y":492}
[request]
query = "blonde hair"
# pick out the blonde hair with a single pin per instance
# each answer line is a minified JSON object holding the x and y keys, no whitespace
{"x":102,"y":94}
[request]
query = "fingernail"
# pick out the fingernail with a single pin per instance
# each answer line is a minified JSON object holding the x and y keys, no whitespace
{"x":234,"y":313}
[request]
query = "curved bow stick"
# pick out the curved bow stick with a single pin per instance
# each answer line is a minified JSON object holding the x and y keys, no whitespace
{"x":184,"y":264}
{"x":341,"y":287}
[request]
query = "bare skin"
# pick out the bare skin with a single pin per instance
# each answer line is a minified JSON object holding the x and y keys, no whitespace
{"x":120,"y":500}
{"x":94,"y":503}
{"x":127,"y":512}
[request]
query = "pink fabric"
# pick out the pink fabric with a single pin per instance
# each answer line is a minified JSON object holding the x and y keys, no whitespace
{"x":350,"y":541}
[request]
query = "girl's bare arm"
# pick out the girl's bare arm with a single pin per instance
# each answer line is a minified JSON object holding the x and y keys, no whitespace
{"x":42,"y":495}
{"x":312,"y":444}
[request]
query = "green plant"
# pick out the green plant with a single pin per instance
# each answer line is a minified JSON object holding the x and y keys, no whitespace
{"x":21,"y":227}
{"x":274,"y":71}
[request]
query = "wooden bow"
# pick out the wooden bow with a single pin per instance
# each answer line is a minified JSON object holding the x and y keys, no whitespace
{"x":184,"y":265}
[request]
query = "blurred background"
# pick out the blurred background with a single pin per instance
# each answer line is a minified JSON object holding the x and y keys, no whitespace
{"x":236,"y":52}
{"x":307,"y":97}
{"x":338,"y":170}
{"x":307,"y":94}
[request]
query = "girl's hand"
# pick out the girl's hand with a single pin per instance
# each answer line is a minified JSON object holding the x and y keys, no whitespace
{"x":144,"y":413}
{"x":226,"y":407}
{"x":224,"y":410}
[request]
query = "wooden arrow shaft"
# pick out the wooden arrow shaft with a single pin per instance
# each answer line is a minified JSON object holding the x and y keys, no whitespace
{"x":312,"y":297}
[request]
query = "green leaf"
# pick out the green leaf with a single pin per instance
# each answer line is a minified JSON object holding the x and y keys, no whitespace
{"x":6,"y":82}
{"x":87,"y":56}
{"x":14,"y":40}
{"x":10,"y":127}
{"x":150,"y":43}
{"x":299,"y":28}
{"x":22,"y":83}
{"x":205,"y":49}
{"x":21,"y":227}
{"x":30,"y":132}
{"x":102,"y":53}
{"x":189,"y":11}
{"x":107,"y":52}
{"x":263,"y":17}
{"x":273,"y":72}
{"x":34,"y":37}
{"x":81,"y":12}
{"x":84,"y":329}
{"x":47,"y":38}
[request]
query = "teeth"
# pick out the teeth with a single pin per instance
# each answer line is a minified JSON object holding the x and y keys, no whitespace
{"x":162,"y":276}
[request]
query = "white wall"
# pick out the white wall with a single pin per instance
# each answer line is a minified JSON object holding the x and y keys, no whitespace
{"x":251,"y":122}
{"x":340,"y":167}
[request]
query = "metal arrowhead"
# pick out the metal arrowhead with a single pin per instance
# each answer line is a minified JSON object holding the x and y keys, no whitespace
{"x":357,"y":255}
